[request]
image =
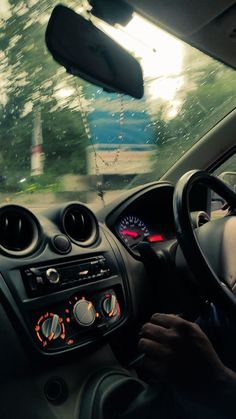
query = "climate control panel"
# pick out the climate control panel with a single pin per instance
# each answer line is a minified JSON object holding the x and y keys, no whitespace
{"x":76,"y":320}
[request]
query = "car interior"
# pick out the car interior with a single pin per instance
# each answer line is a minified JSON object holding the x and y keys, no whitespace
{"x":80,"y":278}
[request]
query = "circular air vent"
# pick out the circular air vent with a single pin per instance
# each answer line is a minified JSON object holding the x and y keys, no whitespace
{"x":19,"y":230}
{"x":80,"y":224}
{"x":199,"y":218}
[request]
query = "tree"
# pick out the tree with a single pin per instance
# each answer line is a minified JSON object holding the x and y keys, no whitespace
{"x":207,"y":94}
{"x":33,"y":80}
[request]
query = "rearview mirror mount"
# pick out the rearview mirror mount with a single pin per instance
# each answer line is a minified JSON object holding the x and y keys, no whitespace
{"x":85,"y":51}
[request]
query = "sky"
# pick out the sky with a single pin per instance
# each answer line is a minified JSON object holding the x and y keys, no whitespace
{"x":161,"y":57}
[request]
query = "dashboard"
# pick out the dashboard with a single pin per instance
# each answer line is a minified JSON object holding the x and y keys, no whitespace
{"x":62,"y":283}
{"x":75,"y":291}
{"x":67,"y":273}
{"x":71,"y":277}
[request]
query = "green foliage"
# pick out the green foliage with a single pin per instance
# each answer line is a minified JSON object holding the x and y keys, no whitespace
{"x":31,"y":80}
{"x":208,"y":93}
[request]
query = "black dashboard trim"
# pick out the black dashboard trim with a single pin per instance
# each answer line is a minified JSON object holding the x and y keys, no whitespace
{"x":111,"y":218}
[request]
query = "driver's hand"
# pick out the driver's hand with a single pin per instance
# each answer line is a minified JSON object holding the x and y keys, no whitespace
{"x":179,"y":353}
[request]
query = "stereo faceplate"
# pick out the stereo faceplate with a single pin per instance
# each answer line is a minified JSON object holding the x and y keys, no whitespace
{"x":47,"y":279}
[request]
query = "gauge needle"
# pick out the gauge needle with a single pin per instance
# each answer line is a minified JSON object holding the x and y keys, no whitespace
{"x":132,"y":234}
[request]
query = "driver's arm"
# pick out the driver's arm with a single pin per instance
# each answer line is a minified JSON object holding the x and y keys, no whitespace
{"x":178,"y":352}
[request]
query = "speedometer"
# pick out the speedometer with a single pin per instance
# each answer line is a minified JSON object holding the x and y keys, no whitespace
{"x":132,"y":230}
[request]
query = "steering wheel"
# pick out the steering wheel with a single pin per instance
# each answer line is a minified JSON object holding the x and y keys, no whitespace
{"x":210,"y":251}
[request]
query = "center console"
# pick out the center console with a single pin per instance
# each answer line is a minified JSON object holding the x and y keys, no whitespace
{"x":74,"y":303}
{"x":68,"y":297}
{"x":69,"y":304}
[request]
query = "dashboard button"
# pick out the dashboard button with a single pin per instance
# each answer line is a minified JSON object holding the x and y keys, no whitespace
{"x":39,"y":280}
{"x":61,"y":243}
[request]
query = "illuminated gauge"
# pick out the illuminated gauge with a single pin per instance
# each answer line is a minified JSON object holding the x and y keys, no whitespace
{"x":132,"y":230}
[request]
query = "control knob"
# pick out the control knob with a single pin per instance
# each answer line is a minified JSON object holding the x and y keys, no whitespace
{"x":109,"y":306}
{"x":51,"y":328}
{"x":84,"y":313}
{"x":52,"y":276}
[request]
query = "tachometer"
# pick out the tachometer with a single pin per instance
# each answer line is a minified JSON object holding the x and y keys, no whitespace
{"x":132,"y":230}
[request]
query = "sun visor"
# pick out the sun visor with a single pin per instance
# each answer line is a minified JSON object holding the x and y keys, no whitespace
{"x":182,"y":17}
{"x":218,"y":38}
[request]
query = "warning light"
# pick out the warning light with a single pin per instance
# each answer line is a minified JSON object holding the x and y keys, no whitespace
{"x":156,"y":238}
{"x":68,"y":320}
{"x":70,"y":342}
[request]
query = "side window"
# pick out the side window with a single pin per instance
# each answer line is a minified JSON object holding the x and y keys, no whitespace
{"x":227,"y":173}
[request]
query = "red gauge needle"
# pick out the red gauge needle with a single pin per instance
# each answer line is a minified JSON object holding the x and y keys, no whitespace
{"x":132,"y":234}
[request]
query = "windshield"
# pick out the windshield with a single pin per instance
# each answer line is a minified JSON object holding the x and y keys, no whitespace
{"x":64,"y":139}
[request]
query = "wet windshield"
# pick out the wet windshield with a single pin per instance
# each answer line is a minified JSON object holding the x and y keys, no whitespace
{"x":64,"y":139}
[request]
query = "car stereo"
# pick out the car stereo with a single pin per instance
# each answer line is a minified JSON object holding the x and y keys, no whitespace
{"x":46,"y":279}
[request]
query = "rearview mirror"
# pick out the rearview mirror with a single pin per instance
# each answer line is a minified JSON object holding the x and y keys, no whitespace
{"x":86,"y":52}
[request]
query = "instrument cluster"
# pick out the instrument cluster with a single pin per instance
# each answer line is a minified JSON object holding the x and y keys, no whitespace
{"x":132,"y":230}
